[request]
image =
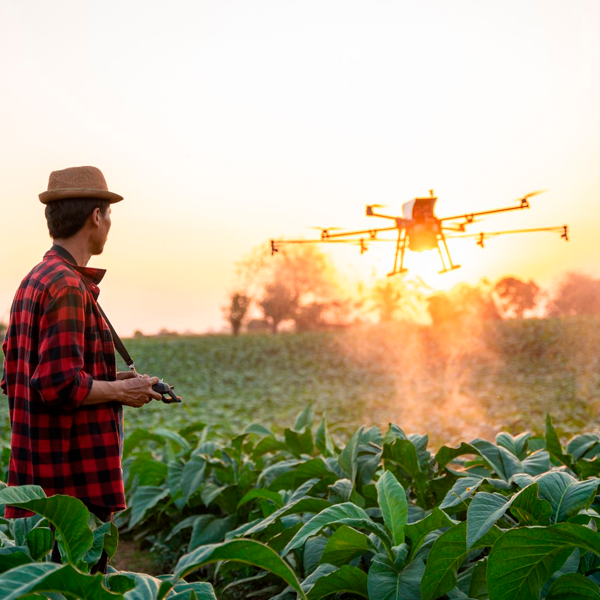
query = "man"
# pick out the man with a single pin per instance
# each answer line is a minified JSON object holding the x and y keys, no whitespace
{"x":64,"y":393}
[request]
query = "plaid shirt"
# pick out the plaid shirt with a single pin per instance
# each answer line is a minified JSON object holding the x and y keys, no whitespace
{"x":56,"y":344}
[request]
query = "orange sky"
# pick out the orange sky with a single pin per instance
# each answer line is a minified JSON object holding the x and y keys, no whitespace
{"x":227,"y":122}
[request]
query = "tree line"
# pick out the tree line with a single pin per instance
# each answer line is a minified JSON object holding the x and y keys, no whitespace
{"x":300,"y":288}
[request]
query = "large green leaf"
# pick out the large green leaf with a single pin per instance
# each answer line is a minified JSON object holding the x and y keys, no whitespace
{"x":14,"y":556}
{"x":146,"y":470}
{"x":137,"y":436}
{"x":417,"y":532}
{"x":572,"y":586}
{"x":346,"y":579}
{"x":447,"y":454}
{"x":304,"y":419}
{"x":182,"y":591}
{"x":522,"y":560}
{"x":478,"y":589}
{"x":210,"y":533}
{"x":537,"y":463}
{"x":174,"y":475}
{"x":515,"y":445}
{"x":302,"y":505}
{"x":463,"y":489}
{"x":446,"y":556}
{"x":345,"y":545}
{"x":529,"y":509}
{"x":388,"y":582}
{"x":268,"y":444}
{"x":249,"y":552}
{"x":49,"y":577}
{"x":342,"y":514}
{"x":393,"y":505}
{"x":404,"y":454}
{"x":312,"y":553}
{"x":21,"y":528}
{"x":39,"y":541}
{"x":174,"y":437}
{"x":146,"y":587}
{"x":323,"y":440}
{"x":192,"y":476}
{"x":68,"y":515}
{"x":499,"y":459}
{"x":258,"y":429}
{"x":486,"y":509}
{"x":145,"y":498}
{"x":369,"y":457}
{"x":274,"y":497}
{"x":106,"y":537}
{"x":268,"y":475}
{"x":566,"y":495}
{"x":586,"y":445}
{"x":299,"y":443}
{"x":348,"y":458}
{"x":553,"y":445}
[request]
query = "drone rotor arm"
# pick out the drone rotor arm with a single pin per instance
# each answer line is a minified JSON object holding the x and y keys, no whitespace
{"x":362,"y":232}
{"x":562,"y":229}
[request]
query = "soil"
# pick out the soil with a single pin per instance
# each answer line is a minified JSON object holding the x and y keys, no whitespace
{"x":129,"y":557}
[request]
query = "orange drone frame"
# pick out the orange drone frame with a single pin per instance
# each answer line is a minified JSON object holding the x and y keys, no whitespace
{"x":419,"y":229}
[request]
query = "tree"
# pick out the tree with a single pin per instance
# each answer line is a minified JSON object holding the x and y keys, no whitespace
{"x":299,"y":283}
{"x":279,"y":303}
{"x":514,"y":297}
{"x":577,"y":294}
{"x":236,"y":311}
{"x":397,"y":296}
{"x":462,"y":305}
{"x":386,"y":299}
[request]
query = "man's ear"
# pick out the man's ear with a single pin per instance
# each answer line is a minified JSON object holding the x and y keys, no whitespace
{"x":95,"y":217}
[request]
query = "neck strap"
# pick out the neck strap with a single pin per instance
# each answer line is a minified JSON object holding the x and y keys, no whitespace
{"x":120,"y":347}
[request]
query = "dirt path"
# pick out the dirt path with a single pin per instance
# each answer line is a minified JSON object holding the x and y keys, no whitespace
{"x":129,"y":557}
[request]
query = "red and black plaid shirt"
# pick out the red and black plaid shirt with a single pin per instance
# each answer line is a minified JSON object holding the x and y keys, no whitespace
{"x":56,"y":344}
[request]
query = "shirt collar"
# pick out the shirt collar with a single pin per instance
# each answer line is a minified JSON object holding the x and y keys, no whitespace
{"x":94,"y":275}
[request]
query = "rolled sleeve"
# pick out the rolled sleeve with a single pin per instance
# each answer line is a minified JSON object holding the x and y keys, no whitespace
{"x":59,"y":377}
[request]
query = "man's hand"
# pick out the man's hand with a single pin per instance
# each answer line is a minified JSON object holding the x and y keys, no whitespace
{"x":137,"y":391}
{"x":121,"y":375}
{"x":129,"y":389}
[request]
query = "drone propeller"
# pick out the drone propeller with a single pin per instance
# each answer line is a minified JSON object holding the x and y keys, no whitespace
{"x":531,"y":194}
{"x":461,"y":227}
{"x":325,"y":231}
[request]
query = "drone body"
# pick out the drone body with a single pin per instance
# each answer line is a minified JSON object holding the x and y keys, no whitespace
{"x":418,"y":229}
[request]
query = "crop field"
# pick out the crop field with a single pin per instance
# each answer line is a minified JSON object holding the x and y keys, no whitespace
{"x":452,"y":383}
{"x":386,"y":463}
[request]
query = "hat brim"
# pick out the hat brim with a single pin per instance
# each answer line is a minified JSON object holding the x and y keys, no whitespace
{"x":66,"y":193}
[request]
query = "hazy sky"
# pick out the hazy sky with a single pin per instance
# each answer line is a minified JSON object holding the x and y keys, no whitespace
{"x":224,"y":123}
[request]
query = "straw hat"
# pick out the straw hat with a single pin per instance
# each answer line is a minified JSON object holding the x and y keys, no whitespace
{"x":78,"y":182}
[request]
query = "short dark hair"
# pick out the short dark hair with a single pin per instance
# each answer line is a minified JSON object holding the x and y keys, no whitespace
{"x":66,"y":217}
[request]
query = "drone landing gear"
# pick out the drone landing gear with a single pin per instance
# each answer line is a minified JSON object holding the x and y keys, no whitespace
{"x":452,"y":266}
{"x":447,"y":270}
{"x":400,"y":252}
{"x":398,"y":272}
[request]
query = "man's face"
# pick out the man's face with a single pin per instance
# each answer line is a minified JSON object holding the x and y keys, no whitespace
{"x":102,"y":231}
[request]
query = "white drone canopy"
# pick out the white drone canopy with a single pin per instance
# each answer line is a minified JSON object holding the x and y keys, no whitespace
{"x":407,"y":209}
{"x":419,"y":208}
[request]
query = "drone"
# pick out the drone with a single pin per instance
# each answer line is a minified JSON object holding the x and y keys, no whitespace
{"x":418,"y":229}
